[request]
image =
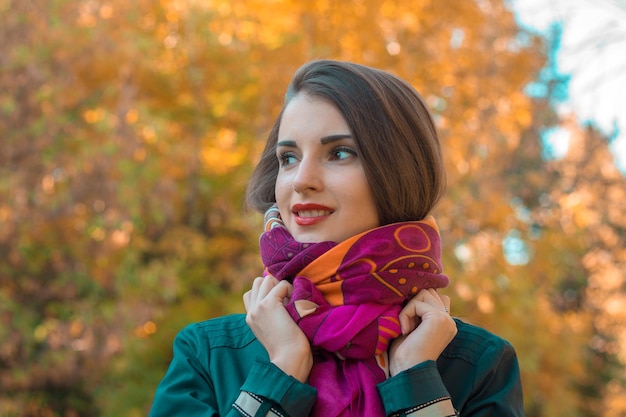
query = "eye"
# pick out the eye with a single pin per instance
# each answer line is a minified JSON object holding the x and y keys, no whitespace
{"x":342,"y":152}
{"x":286,"y":158}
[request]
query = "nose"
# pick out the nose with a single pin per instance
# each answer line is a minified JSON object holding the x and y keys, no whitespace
{"x":308,"y":176}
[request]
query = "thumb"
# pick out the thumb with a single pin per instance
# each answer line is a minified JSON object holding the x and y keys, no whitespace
{"x":282,"y":291}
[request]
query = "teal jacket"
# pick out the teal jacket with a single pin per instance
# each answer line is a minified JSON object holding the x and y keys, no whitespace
{"x":219,"y":368}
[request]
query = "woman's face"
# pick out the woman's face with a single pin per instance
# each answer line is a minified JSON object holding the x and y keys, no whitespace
{"x":321,"y":189}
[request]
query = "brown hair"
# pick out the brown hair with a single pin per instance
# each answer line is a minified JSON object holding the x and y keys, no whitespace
{"x":394,"y":132}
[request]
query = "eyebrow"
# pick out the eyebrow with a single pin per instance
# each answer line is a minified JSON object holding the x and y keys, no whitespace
{"x":324,"y":140}
{"x":334,"y":138}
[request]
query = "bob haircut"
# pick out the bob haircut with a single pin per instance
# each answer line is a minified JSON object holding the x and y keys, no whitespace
{"x":394,"y":132}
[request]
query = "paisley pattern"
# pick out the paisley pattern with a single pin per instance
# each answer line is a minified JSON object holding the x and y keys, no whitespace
{"x":347,"y":297}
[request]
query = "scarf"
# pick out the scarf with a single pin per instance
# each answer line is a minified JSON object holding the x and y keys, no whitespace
{"x":346,"y":299}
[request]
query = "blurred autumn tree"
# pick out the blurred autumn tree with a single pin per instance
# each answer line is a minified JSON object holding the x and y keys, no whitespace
{"x":128,"y":130}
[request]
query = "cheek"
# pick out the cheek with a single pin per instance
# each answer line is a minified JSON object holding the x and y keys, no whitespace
{"x":281,"y":190}
{"x":362,"y":190}
{"x":367,"y":202}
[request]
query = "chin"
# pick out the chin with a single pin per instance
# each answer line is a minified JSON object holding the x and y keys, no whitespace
{"x":312,"y":238}
{"x":309,"y":239}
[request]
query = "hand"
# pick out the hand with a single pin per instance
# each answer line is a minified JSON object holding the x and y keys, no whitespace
{"x":286,"y":344}
{"x":427,"y":329}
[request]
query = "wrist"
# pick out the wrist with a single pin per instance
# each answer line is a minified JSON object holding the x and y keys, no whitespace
{"x":298,"y":365}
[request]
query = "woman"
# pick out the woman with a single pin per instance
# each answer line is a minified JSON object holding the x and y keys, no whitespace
{"x":346,"y":320}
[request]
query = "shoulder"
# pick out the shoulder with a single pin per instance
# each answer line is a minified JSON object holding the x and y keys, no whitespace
{"x":472,"y":343}
{"x":227,"y":331}
{"x":481,"y":372}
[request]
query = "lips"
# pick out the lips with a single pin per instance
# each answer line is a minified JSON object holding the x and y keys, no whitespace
{"x":310,"y":214}
{"x":313,"y":213}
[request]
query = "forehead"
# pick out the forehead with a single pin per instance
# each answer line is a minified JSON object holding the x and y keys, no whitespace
{"x":307,"y":115}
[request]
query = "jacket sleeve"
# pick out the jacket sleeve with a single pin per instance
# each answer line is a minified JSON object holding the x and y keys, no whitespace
{"x":497,"y":386}
{"x":418,"y":391}
{"x":489,"y":387}
{"x":269,"y":391}
{"x":187,"y":389}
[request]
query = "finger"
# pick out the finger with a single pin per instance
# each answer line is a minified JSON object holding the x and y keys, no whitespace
{"x":425,"y":301}
{"x":289,"y":292}
{"x":256,"y":284}
{"x":257,"y":291}
{"x":282,"y":291}
{"x":250,"y":295}
{"x":408,"y":323}
{"x":266,"y":284}
{"x":411,"y":314}
{"x":446,"y":302}
{"x":437,"y":300}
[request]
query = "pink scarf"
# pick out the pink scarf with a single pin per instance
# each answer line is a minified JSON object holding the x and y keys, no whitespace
{"x":346,"y":299}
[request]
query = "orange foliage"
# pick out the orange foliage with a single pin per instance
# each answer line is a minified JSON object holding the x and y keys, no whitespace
{"x":129,"y":130}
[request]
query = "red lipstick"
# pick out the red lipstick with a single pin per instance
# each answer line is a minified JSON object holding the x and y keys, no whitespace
{"x":310,"y":214}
